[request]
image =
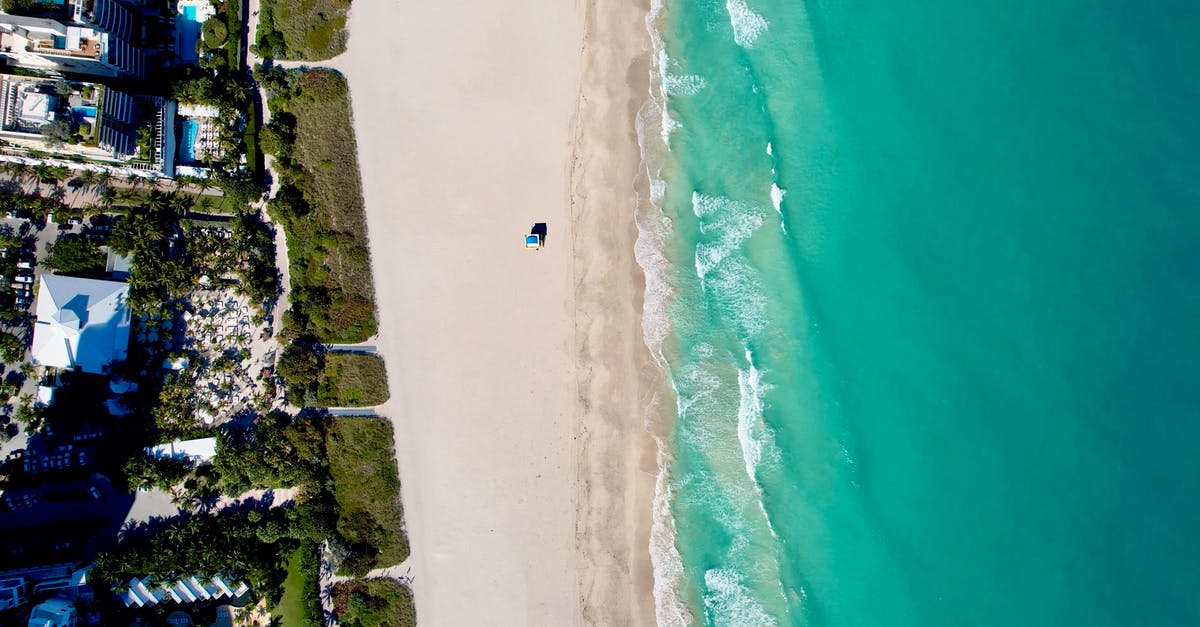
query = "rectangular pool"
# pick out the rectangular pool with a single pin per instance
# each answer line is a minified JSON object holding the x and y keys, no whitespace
{"x":187,"y":33}
{"x":187,"y":141}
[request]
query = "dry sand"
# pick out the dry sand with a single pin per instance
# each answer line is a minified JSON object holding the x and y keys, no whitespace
{"x":516,"y":376}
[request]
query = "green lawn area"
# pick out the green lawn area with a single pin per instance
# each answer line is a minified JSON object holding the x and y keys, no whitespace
{"x":367,"y":490}
{"x":352,"y":380}
{"x":300,"y":582}
{"x":374,"y":603}
{"x":312,"y":30}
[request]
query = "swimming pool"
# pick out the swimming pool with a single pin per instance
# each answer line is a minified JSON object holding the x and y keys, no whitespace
{"x":187,"y":142}
{"x":187,"y":33}
{"x":83,"y":112}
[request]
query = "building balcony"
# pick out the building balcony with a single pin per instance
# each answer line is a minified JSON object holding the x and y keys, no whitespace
{"x":88,"y":49}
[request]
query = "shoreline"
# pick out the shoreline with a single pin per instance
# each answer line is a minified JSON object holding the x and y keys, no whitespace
{"x":527,"y":473}
{"x":618,"y":378}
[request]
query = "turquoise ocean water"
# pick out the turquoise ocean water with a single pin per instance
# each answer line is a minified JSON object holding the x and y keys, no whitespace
{"x":925,"y":277}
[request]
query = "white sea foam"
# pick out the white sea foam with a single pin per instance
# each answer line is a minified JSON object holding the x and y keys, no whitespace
{"x":653,"y":229}
{"x":659,"y":88}
{"x":740,"y":296}
{"x":747,"y":25}
{"x":664,"y":557}
{"x":770,"y":150}
{"x":701,"y":385}
{"x":753,"y":434}
{"x":658,"y":189}
{"x":722,"y":270}
{"x":730,"y":602}
{"x":732,"y":222}
{"x":683,"y":84}
{"x":777,"y":194}
{"x":653,"y":226}
{"x":669,"y":125}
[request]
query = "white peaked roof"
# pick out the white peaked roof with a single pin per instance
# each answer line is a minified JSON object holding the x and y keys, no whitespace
{"x":81,"y":323}
{"x":202,"y":449}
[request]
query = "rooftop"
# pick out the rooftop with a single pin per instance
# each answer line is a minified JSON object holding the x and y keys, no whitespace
{"x":81,"y":323}
{"x":200,"y":449}
{"x":53,"y":613}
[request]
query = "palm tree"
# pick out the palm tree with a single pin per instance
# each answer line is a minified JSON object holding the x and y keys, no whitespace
{"x":184,"y":500}
{"x":88,"y":178}
{"x":182,"y":203}
{"x":43,"y":172}
{"x":15,"y":169}
{"x":158,"y":201}
{"x":107,"y":196}
{"x":60,"y":172}
{"x":24,"y":171}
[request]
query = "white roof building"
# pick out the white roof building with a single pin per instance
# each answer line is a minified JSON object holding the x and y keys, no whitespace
{"x":143,"y":592}
{"x":81,"y":323}
{"x":200,"y":450}
{"x":53,"y":613}
{"x":36,"y":108}
{"x":45,"y":396}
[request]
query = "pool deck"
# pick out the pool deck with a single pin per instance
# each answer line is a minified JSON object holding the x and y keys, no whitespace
{"x":200,"y":12}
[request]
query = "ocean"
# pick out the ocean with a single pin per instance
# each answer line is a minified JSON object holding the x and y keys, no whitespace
{"x":925,"y":281}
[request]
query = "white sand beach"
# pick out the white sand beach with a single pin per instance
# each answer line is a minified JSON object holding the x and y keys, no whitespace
{"x":516,"y":376}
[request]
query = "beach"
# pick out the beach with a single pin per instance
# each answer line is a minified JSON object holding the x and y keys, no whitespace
{"x":516,"y":375}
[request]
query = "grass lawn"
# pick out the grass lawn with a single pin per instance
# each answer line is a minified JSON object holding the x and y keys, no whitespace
{"x":291,"y":609}
{"x":312,"y":30}
{"x":374,"y":603}
{"x":367,"y":490}
{"x":352,"y":380}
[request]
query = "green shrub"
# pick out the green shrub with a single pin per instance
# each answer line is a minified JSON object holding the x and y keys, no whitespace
{"x":215,"y":33}
{"x":77,"y":256}
{"x":352,"y":380}
{"x":313,"y":30}
{"x":367,"y":490}
{"x":320,"y":205}
{"x":374,"y":603}
{"x":12,"y":348}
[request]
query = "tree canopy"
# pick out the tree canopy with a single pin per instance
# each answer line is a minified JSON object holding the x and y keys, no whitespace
{"x":56,"y":133}
{"x":75,"y":255}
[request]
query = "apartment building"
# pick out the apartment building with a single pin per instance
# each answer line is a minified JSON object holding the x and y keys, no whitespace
{"x":89,"y":37}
